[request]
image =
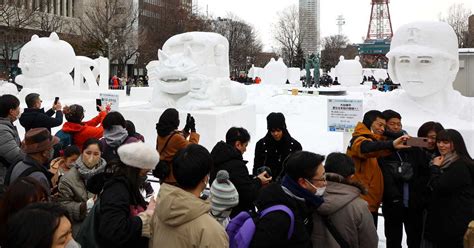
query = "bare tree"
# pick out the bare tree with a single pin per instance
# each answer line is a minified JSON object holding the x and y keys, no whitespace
{"x":244,"y":44}
{"x":458,"y":18}
{"x":333,"y":47}
{"x":288,"y":35}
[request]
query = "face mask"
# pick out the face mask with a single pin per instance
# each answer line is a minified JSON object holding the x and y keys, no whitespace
{"x":91,"y":162}
{"x":319,"y":191}
{"x":72,"y":244}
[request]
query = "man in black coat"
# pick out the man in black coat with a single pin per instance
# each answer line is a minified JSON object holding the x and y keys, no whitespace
{"x":34,"y":116}
{"x":228,"y":156}
{"x":277,"y":144}
{"x":301,"y":190}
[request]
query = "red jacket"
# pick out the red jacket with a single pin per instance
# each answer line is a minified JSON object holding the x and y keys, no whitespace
{"x":85,"y":130}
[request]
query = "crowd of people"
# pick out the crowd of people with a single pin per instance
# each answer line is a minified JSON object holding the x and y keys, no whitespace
{"x":87,"y":186}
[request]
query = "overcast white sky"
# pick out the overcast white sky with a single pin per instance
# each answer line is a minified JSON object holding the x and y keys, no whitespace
{"x":263,"y":13}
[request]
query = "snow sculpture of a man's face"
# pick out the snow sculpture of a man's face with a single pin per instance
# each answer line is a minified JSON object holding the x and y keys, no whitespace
{"x":423,"y":58}
{"x":44,"y":56}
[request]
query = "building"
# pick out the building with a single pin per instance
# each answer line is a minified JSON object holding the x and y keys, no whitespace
{"x":464,"y":82}
{"x":470,"y":32}
{"x":309,"y":21}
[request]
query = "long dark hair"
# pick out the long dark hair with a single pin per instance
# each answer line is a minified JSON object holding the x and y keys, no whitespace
{"x":35,"y":225}
{"x":453,"y":136}
{"x":169,"y":121}
{"x":118,"y":169}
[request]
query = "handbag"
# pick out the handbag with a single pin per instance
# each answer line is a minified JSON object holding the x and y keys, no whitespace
{"x":401,"y":170}
{"x":163,"y":167}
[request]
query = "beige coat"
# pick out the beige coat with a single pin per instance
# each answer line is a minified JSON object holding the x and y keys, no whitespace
{"x":183,"y":220}
{"x":349,"y":214}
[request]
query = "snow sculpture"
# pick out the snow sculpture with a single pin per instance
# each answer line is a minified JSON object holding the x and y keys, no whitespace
{"x":294,"y":75}
{"x":192,"y":72}
{"x":86,"y":79}
{"x":275,"y":72}
{"x":424,"y":59}
{"x":8,"y":88}
{"x":349,"y":72}
{"x":46,"y":63}
{"x":255,"y":72}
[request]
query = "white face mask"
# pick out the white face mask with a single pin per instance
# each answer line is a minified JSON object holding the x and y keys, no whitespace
{"x":72,"y":244}
{"x":319,"y":191}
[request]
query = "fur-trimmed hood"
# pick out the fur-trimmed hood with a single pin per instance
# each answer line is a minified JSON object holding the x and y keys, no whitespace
{"x":339,"y":193}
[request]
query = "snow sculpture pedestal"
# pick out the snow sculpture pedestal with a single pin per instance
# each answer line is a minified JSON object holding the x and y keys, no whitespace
{"x":212,"y":125}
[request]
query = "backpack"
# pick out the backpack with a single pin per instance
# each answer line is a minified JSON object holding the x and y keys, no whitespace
{"x":242,"y":227}
{"x":110,"y":153}
{"x":88,"y":233}
{"x":65,"y":140}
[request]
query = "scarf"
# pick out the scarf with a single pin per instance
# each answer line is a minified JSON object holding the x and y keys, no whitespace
{"x":449,"y":159}
{"x":87,"y":173}
{"x":115,"y":136}
{"x":307,"y":195}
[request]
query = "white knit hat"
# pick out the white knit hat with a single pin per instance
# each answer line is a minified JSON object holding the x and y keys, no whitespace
{"x":223,"y":193}
{"x":138,"y":155}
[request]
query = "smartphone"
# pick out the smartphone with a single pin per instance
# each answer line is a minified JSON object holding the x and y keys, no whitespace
{"x":56,"y":99}
{"x":417,"y":142}
{"x":98,"y":102}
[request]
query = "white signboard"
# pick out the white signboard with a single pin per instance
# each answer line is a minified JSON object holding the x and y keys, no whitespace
{"x":110,"y":98}
{"x":343,"y":114}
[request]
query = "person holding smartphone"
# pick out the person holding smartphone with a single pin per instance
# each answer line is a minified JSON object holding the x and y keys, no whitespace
{"x":34,"y":116}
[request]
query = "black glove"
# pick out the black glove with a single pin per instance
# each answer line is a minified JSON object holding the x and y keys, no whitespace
{"x":192,"y":124}
{"x":186,"y":126}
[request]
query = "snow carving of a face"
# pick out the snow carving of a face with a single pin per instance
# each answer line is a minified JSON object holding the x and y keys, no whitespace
{"x":44,"y":56}
{"x":174,"y":72}
{"x":423,"y":58}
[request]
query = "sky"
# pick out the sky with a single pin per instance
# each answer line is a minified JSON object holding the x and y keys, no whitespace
{"x":263,"y":13}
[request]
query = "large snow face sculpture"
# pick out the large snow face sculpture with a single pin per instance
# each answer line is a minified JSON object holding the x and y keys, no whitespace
{"x":349,"y":72}
{"x":192,"y":72}
{"x":424,"y":58}
{"x":46,"y":63}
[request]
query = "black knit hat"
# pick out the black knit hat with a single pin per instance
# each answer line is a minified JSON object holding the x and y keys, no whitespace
{"x":339,"y":163}
{"x":276,"y":121}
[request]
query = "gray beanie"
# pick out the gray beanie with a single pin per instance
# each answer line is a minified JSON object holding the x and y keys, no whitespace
{"x":223,"y":193}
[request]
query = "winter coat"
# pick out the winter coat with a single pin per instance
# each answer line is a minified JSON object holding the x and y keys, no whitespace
{"x":226,"y":157}
{"x":10,"y":152}
{"x":109,"y":153}
{"x":272,"y":229}
{"x":34,"y":118}
{"x":349,"y":214}
{"x":176,"y":143}
{"x":86,"y":130}
{"x":271,"y":153}
{"x":42,"y":175}
{"x":117,"y":226}
{"x":452,"y":206}
{"x":364,"y":149}
{"x":182,"y":220}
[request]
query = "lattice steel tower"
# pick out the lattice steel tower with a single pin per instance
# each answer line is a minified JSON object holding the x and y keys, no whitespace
{"x":380,"y":24}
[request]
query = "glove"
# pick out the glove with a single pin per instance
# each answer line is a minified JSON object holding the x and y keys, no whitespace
{"x":192,"y":124}
{"x":186,"y":127}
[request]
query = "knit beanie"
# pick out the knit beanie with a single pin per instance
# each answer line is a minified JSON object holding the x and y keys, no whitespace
{"x":339,"y":163}
{"x":276,"y":120}
{"x":224,"y":196}
{"x":138,"y":155}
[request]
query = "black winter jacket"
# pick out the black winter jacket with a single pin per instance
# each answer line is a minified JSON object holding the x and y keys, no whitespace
{"x":34,"y":118}
{"x":226,"y":157}
{"x":117,"y":227}
{"x":272,"y":229}
{"x":271,"y":153}
{"x":452,"y":206}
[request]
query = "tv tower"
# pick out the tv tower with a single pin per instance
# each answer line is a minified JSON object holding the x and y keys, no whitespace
{"x":380,"y":24}
{"x":340,"y":21}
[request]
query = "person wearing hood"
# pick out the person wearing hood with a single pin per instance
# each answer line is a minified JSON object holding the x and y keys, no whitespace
{"x":34,"y":116}
{"x":73,"y":195}
{"x":271,"y":150}
{"x":38,"y":147}
{"x":228,"y":156}
{"x":452,"y":187}
{"x":10,"y":151}
{"x":124,"y":216}
{"x":181,"y":218}
{"x":343,"y":208}
{"x":82,"y":131}
{"x":115,"y":135}
{"x":301,"y":190}
{"x":405,"y":175}
{"x":170,"y":140}
{"x":368,"y":144}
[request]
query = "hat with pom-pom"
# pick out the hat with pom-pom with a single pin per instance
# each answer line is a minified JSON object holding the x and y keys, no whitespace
{"x":224,"y":196}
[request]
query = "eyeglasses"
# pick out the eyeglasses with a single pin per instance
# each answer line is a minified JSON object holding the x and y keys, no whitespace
{"x":322,"y":179}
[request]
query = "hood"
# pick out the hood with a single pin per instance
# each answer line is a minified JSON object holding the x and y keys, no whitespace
{"x":176,"y":206}
{"x":115,"y":136}
{"x":6,"y":121}
{"x":223,"y":152}
{"x":274,"y":194}
{"x":362,"y":130}
{"x":70,"y":127}
{"x":339,"y":193}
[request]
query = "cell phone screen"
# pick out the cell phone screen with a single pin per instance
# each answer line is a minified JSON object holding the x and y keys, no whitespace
{"x":56,"y":99}
{"x":418,"y":142}
{"x":98,"y":102}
